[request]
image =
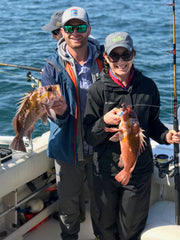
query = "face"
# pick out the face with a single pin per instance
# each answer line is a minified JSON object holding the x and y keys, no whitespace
{"x":76,"y":40}
{"x":120,"y":66}
{"x":56,"y":34}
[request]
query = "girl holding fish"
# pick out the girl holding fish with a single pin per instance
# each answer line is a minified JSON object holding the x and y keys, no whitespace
{"x":122,"y":114}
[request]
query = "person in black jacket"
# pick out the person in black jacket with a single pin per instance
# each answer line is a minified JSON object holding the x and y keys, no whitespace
{"x":123,"y":208}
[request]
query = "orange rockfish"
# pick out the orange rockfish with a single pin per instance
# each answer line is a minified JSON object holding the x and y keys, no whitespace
{"x":132,"y":141}
{"x":35,"y":105}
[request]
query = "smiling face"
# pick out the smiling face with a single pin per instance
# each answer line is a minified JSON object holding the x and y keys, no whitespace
{"x":120,"y":68}
{"x":76,"y":39}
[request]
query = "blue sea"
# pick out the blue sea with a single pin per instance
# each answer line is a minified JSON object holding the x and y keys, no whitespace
{"x":23,"y":42}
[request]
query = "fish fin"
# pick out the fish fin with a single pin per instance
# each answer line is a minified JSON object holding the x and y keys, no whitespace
{"x":123,"y":177}
{"x":115,"y":137}
{"x":121,"y":135}
{"x":44,"y":118}
{"x":29,"y":132}
{"x":18,"y":144}
{"x":121,"y":162}
{"x":106,"y":129}
{"x":142,"y":140}
{"x":14,"y":124}
{"x":51,"y":113}
{"x":24,"y":101}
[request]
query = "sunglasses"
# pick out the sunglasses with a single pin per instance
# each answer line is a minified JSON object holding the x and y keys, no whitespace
{"x":56,"y":32}
{"x":82,"y":28}
{"x":126,"y":56}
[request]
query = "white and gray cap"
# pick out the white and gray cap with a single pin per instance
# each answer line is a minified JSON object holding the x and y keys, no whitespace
{"x":75,"y":13}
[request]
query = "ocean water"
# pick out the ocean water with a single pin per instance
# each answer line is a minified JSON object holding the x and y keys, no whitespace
{"x":23,"y":42}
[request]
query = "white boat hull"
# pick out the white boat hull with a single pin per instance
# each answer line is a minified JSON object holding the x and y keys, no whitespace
{"x":25,"y":167}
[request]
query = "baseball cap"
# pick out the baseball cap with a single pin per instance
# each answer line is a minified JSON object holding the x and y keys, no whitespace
{"x":118,"y":39}
{"x":55,"y":21}
{"x":75,"y":13}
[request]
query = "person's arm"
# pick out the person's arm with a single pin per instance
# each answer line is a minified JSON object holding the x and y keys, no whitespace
{"x":157,"y":130}
{"x":48,"y":75}
{"x":60,"y":107}
{"x":94,"y":124}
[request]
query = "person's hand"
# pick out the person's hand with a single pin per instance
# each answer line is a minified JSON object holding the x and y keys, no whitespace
{"x":112,"y":117}
{"x":173,"y":137}
{"x":59,"y":106}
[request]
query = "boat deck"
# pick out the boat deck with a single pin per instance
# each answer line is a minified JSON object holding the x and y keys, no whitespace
{"x":50,"y":229}
{"x":31,"y":166}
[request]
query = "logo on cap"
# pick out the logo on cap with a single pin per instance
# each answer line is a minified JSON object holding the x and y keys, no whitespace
{"x":119,"y":38}
{"x":58,"y":24}
{"x":74,"y":12}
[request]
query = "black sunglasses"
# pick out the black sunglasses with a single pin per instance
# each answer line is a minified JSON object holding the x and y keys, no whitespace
{"x":56,"y":31}
{"x":82,"y":28}
{"x":126,"y":56}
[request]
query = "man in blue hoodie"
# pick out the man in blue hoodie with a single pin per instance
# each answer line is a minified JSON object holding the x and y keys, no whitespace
{"x":74,"y":66}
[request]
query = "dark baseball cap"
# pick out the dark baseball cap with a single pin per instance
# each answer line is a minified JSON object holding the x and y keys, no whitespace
{"x":55,"y":21}
{"x":118,"y":39}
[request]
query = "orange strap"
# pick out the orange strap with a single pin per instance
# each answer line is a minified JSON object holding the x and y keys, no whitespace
{"x":100,"y":64}
{"x":72,"y":76}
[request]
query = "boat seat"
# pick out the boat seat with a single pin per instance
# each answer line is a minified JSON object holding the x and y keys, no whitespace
{"x":161,"y":222}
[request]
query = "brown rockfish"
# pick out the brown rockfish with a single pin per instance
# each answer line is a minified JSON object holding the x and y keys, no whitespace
{"x":131,"y":139}
{"x":37,"y":104}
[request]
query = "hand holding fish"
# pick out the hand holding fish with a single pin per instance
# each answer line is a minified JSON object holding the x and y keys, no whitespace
{"x":59,"y":106}
{"x":131,"y":139}
{"x":173,"y":137}
{"x":41,"y":103}
{"x":112,"y":117}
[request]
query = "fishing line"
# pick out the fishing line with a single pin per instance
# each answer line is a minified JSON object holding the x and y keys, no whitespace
{"x":28,"y":78}
{"x":12,"y":74}
{"x":147,"y":105}
{"x":16,"y":75}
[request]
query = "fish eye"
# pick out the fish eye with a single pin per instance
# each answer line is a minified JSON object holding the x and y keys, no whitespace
{"x":49,"y":89}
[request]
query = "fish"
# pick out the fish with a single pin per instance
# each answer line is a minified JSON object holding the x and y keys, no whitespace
{"x":34,"y":105}
{"x":132,"y":142}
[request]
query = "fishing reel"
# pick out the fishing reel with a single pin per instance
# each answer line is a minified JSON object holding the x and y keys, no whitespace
{"x":163,"y":163}
{"x":30,"y":77}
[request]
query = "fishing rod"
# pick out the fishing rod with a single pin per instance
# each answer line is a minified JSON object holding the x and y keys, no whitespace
{"x":23,"y":67}
{"x":29,"y":76}
{"x":176,"y":128}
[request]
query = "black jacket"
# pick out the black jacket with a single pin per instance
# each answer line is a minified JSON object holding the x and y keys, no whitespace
{"x":142,"y":94}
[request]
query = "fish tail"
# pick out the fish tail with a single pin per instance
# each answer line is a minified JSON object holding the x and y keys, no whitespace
{"x":18,"y":144}
{"x":123,"y":177}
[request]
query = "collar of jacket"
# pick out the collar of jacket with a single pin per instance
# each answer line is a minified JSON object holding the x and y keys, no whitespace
{"x":92,"y":43}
